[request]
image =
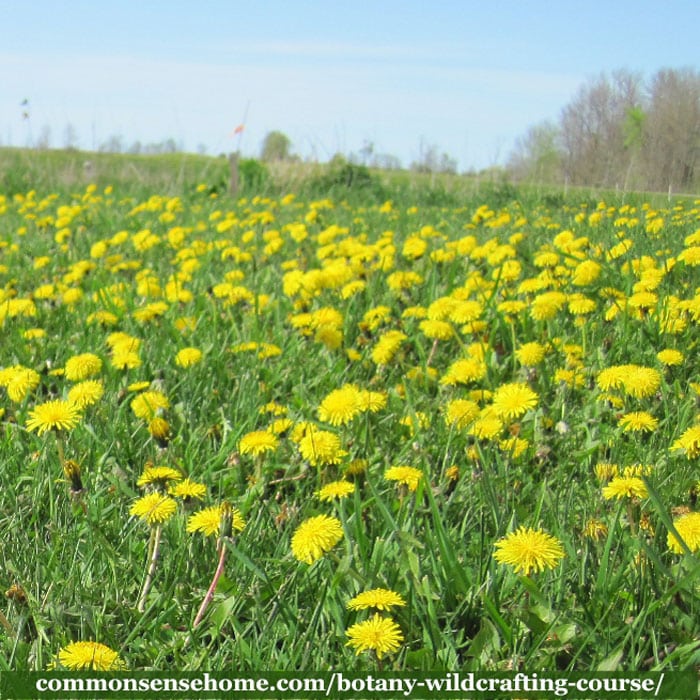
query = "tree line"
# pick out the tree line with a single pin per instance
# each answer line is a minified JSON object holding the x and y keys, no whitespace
{"x":620,"y":131}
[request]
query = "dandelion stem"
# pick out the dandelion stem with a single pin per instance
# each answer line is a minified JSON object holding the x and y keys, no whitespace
{"x":6,"y":624}
{"x":61,"y":452}
{"x":212,"y":587}
{"x":431,"y":353}
{"x":154,"y":551}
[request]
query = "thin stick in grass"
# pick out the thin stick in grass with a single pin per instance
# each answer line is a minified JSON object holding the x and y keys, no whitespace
{"x":154,"y":550}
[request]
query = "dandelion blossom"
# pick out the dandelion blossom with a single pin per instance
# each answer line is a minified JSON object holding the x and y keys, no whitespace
{"x":316,"y":536}
{"x":379,"y":634}
{"x":187,"y":357}
{"x":379,"y":598}
{"x":86,"y":393}
{"x":340,"y":406}
{"x":92,"y":656}
{"x":208,"y":520}
{"x":158,"y":476}
{"x":689,"y":442}
{"x":82,"y":366}
{"x":154,"y":508}
{"x":670,"y":357}
{"x":336,"y":489}
{"x":688,"y":527}
{"x":527,"y":550}
{"x":625,"y":487}
{"x":147,"y":404}
{"x":258,"y":442}
{"x":639,"y":422}
{"x":321,"y":447}
{"x":436,"y":330}
{"x":530,"y":354}
{"x":408,"y":476}
{"x":461,"y":412}
{"x":513,"y":400}
{"x":53,"y":415}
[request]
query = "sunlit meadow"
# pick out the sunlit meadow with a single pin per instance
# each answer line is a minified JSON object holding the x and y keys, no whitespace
{"x":277,"y":433}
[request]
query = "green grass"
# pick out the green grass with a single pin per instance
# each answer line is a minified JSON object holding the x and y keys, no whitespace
{"x":622,"y":601}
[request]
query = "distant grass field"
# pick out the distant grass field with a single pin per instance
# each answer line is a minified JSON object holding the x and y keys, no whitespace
{"x":492,"y":400}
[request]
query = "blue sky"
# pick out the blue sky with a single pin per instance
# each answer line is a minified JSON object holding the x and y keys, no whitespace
{"x":466,"y":77}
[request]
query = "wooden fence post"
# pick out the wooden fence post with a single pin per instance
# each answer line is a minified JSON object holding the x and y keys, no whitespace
{"x":233,"y":165}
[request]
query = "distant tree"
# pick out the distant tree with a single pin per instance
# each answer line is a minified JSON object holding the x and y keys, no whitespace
{"x":431,"y":161}
{"x":135,"y":148}
{"x":593,"y":132}
{"x":70,"y":137}
{"x":114,"y":144}
{"x":671,"y":130}
{"x":537,"y":155}
{"x":44,"y":139}
{"x":276,"y":146}
{"x":386,"y":161}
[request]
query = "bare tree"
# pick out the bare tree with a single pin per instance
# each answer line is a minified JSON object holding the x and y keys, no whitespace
{"x":671,"y":133}
{"x":593,"y":131}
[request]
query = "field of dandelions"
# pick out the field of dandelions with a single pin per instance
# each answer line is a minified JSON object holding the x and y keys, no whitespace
{"x":275,"y":433}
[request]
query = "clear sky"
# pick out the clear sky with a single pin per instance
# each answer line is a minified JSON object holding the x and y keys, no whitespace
{"x":467,"y":77}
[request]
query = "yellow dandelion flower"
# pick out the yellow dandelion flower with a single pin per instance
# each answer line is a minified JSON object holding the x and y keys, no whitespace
{"x":187,"y":357}
{"x":158,"y":476}
{"x":258,"y":442}
{"x":401,"y":474}
{"x":280,"y":426}
{"x":188,"y":489}
{"x":340,"y":406}
{"x":387,"y":346}
{"x":464,"y":371}
{"x":415,"y":422}
{"x":321,"y":447}
{"x":670,"y":358}
{"x":154,"y":508}
{"x":160,"y":429}
{"x":147,"y":404}
{"x":379,"y":634}
{"x":595,"y":530}
{"x":82,"y":366}
{"x":437,"y":330}
{"x":371,"y":401}
{"x":86,"y":393}
{"x":335,"y":489}
{"x":611,"y":378}
{"x":125,"y":359}
{"x":21,"y":381}
{"x":379,"y":598}
{"x":357,"y":467}
{"x":208,"y":520}
{"x":487,"y":426}
{"x":529,"y":550}
{"x":641,"y":382}
{"x":530,"y":354}
{"x":53,"y":415}
{"x":688,"y":527}
{"x":639,"y":422}
{"x":688,"y":442}
{"x":513,"y":400}
{"x":92,"y":656}
{"x":314,"y":537}
{"x":605,"y":471}
{"x":625,"y":487}
{"x":461,"y":412}
{"x":138,"y":386}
